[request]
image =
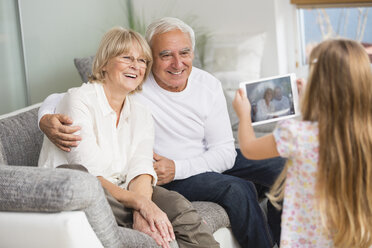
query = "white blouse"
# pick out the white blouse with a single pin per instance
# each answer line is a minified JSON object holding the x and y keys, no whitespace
{"x":264,"y":112}
{"x":118,"y":154}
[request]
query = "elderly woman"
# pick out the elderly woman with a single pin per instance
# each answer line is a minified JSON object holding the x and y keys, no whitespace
{"x":116,"y":147}
{"x":265,"y":106}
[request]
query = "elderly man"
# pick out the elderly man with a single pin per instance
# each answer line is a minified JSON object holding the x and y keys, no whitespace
{"x":194,"y":151}
{"x":281,"y":103}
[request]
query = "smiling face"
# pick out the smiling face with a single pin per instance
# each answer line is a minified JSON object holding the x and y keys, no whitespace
{"x":268,"y":95}
{"x":172,"y":53}
{"x":124,"y":75}
{"x":278,"y":93}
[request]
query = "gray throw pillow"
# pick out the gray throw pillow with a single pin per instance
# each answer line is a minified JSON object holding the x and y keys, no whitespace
{"x":84,"y":67}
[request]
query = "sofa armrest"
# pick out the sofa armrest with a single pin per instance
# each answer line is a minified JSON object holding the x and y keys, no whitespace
{"x":57,"y":230}
{"x":33,"y":189}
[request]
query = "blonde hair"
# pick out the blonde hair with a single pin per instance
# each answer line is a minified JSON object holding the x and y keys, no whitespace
{"x":339,"y":97}
{"x":115,"y":42}
{"x":267,"y":91}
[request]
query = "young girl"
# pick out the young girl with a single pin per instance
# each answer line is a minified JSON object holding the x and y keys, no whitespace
{"x":327,"y":182}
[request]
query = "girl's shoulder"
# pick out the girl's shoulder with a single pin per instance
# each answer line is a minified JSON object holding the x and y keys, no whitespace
{"x":290,"y":135}
{"x":297,"y":126}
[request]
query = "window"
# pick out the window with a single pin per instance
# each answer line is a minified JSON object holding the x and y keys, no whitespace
{"x":321,"y":22}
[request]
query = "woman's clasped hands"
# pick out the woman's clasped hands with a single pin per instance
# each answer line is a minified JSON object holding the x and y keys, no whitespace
{"x":150,"y":219}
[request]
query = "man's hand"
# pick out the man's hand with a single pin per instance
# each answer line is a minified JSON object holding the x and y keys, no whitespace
{"x":164,"y":168}
{"x":56,"y":128}
{"x":140,"y":224}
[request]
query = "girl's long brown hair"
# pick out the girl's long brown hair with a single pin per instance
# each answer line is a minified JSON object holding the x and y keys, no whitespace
{"x":339,"y":97}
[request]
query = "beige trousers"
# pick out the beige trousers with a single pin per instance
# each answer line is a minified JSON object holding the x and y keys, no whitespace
{"x":189,"y":228}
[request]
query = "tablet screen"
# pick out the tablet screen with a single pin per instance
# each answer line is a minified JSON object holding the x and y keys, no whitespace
{"x":272,"y":99}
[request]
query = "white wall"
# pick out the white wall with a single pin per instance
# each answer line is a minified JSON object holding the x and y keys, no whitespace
{"x":55,"y":32}
{"x":232,"y":16}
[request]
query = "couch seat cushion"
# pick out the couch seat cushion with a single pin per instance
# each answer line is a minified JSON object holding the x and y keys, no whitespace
{"x":215,"y":216}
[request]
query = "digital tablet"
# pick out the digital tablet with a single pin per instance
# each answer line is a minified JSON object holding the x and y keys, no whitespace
{"x":272,"y":99}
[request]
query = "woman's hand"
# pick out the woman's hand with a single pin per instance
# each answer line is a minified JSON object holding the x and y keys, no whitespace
{"x":157,"y":219}
{"x":241,"y":104}
{"x":147,"y":217}
{"x":141,"y":224}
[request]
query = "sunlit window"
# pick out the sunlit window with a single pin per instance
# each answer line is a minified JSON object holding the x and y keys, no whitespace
{"x":318,"y":24}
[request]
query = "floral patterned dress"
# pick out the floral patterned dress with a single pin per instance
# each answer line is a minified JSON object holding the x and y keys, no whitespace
{"x":301,"y":225}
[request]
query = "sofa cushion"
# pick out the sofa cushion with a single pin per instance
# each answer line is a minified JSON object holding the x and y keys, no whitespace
{"x":133,"y":238}
{"x":20,"y":139}
{"x":215,"y":216}
{"x":84,"y":67}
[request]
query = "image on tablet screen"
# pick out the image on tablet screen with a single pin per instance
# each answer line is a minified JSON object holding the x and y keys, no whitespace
{"x":271,"y":99}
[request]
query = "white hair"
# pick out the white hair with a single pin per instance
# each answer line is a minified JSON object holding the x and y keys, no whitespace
{"x":167,"y":24}
{"x":278,"y":87}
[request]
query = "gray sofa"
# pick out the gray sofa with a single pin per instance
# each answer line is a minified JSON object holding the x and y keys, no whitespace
{"x":27,"y":189}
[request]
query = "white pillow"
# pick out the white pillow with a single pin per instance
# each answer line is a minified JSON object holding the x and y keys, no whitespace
{"x":233,"y":58}
{"x":230,"y":79}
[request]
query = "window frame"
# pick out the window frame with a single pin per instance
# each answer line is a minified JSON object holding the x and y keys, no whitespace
{"x":359,"y":3}
{"x":297,"y":65}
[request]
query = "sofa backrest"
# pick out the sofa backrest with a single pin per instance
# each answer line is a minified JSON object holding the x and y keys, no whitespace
{"x":20,"y":138}
{"x":84,"y":67}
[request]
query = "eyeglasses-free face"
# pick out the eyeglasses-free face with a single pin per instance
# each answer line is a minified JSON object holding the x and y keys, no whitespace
{"x":172,"y":53}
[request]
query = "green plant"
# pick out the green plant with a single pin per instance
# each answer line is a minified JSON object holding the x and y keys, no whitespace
{"x":202,"y":37}
{"x":134,"y":21}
